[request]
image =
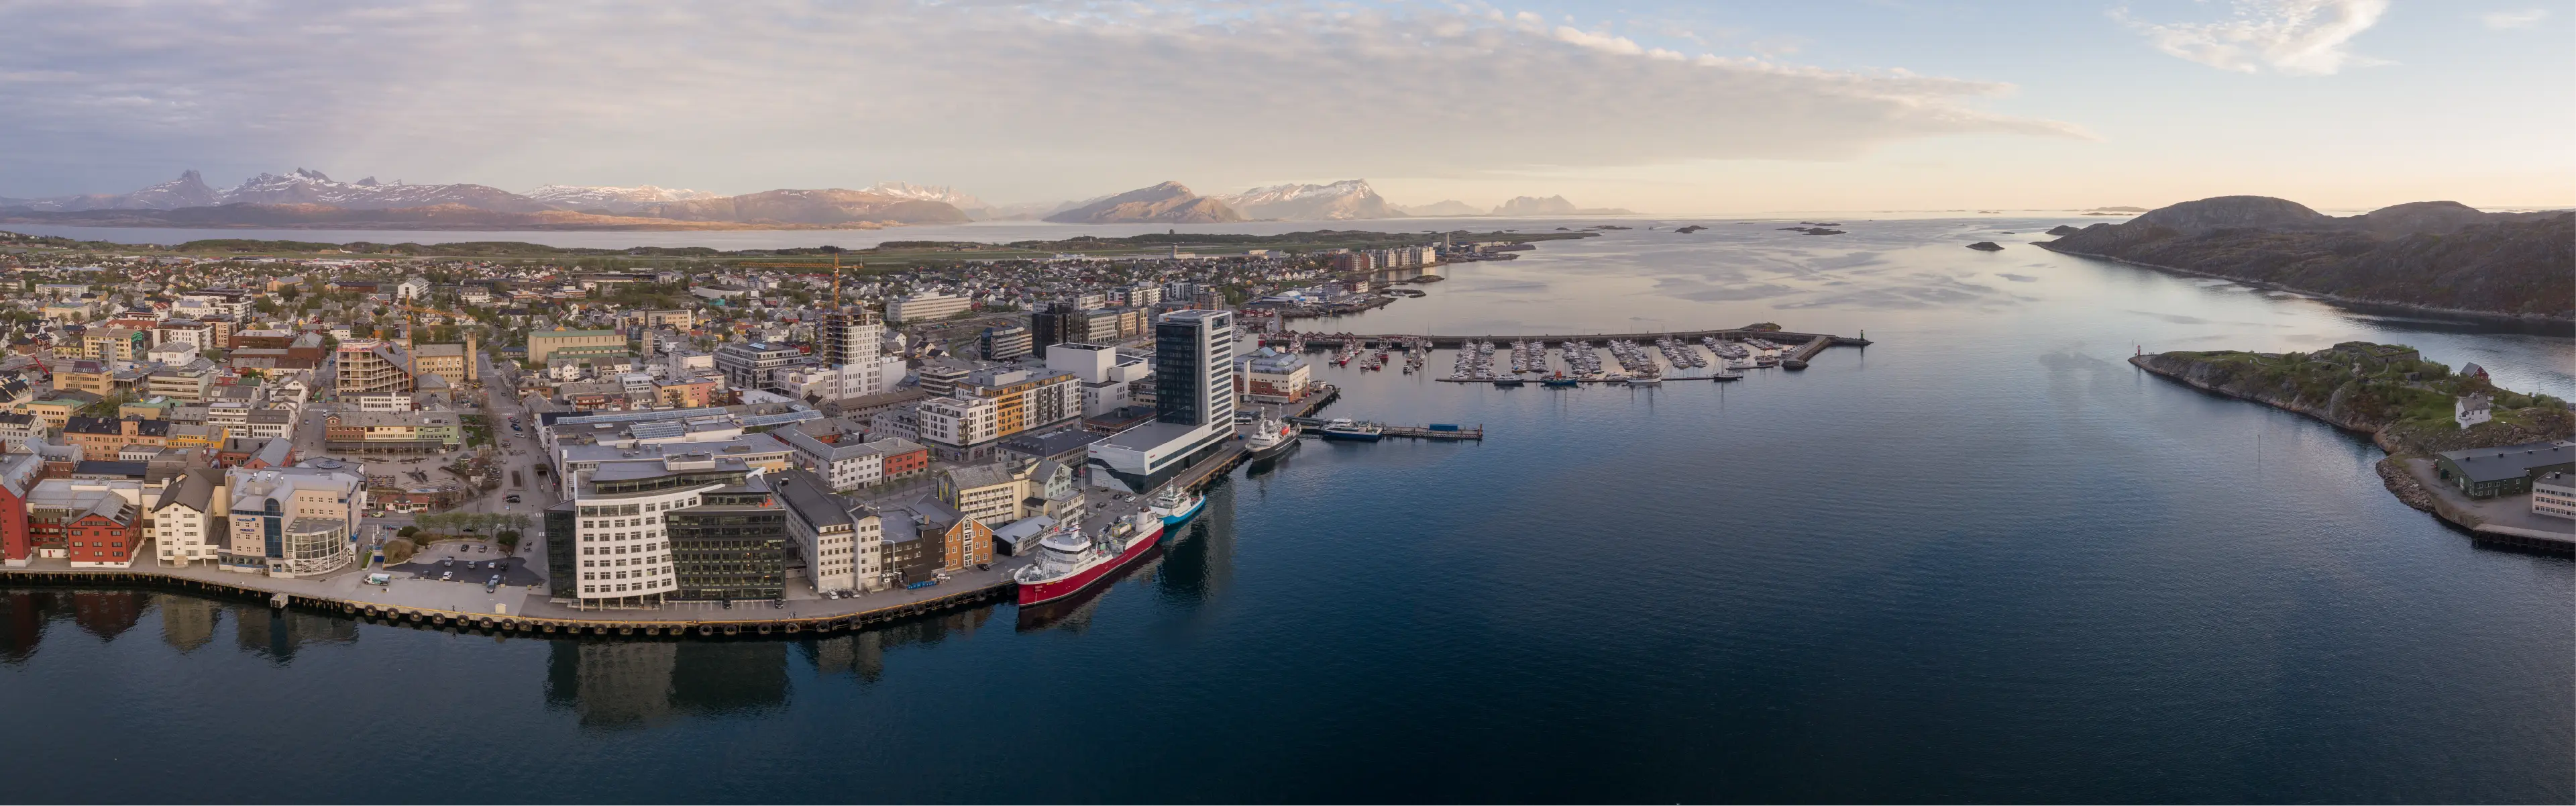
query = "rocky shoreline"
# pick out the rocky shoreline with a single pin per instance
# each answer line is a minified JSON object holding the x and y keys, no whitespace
{"x":2346,"y":406}
{"x":2354,"y":302}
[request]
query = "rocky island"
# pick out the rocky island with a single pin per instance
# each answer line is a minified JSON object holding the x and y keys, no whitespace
{"x":2438,"y":256}
{"x":1986,"y":246}
{"x":2413,"y":409}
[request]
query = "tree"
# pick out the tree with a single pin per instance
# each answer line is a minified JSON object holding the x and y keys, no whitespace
{"x":290,"y":293}
{"x":407,"y":531}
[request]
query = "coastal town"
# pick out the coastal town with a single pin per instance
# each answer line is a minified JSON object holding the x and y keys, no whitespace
{"x":498,"y":440}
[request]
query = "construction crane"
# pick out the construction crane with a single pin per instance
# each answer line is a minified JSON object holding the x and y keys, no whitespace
{"x":835,"y":266}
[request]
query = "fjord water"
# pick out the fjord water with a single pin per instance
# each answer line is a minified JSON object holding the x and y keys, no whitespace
{"x":1981,"y":560}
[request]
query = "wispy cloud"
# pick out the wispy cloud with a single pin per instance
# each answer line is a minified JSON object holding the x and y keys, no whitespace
{"x":2298,"y":37}
{"x":2501,"y":20}
{"x":1028,"y":98}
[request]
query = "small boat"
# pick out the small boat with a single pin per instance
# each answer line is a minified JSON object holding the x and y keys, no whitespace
{"x":1560,"y":382}
{"x":1725,"y":375}
{"x":1507,"y":381}
{"x":1349,"y":430}
{"x":1175,"y":505}
{"x":1646,"y":381}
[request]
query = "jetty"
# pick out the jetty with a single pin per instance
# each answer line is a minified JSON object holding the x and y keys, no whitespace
{"x":1809,"y":344}
{"x":1309,"y":426}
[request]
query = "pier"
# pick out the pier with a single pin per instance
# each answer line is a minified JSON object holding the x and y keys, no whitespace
{"x":1809,"y":344}
{"x":1308,"y":426}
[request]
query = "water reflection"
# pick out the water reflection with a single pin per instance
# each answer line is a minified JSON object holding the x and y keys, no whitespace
{"x":638,"y":684}
{"x":1202,"y":554}
{"x":187,"y":622}
{"x":618,"y":684}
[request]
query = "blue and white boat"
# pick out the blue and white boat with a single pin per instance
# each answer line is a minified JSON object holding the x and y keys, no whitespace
{"x":1175,"y":505}
{"x":1344,"y":428}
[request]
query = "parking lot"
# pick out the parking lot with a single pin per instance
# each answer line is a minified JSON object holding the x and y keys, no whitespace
{"x":470,"y":562}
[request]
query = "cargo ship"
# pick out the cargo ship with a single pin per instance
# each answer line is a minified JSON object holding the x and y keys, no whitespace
{"x":1069,"y":560}
{"x":1175,"y":505}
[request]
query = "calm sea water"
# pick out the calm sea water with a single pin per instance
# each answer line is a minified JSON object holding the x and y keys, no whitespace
{"x":1983,"y":560}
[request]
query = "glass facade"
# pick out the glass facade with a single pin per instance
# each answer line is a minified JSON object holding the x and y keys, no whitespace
{"x":1180,"y":379}
{"x":563,"y":574}
{"x":732,"y":547}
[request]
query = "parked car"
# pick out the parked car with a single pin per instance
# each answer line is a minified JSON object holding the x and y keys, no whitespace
{"x":512,"y":498}
{"x":449,"y":562}
{"x":446,"y":576}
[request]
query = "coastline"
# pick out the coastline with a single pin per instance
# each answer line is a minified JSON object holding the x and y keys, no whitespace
{"x":2387,"y":305}
{"x":2395,"y":470}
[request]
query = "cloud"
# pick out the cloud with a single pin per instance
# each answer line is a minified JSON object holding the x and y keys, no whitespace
{"x":2501,"y":20}
{"x":2298,"y":37}
{"x":1015,"y":100}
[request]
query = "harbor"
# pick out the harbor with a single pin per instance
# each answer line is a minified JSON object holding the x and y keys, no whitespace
{"x":1642,"y":359}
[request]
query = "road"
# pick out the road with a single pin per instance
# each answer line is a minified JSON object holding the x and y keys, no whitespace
{"x":519,"y":452}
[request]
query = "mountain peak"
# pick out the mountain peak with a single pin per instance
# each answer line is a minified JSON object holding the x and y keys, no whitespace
{"x":1338,"y":201}
{"x":1165,"y":203}
{"x":311,"y":174}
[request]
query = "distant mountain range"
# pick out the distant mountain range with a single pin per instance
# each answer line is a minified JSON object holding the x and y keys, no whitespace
{"x":1166,"y":203}
{"x":1446,"y":208}
{"x":2441,"y":255}
{"x":1552,"y":205}
{"x":311,"y":199}
{"x":612,"y":199}
{"x":1345,"y":200}
{"x":305,"y":198}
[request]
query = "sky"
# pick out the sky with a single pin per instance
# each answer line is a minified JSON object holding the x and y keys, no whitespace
{"x":1658,"y":106}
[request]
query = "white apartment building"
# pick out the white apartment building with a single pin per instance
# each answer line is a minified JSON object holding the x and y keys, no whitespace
{"x":620,"y":543}
{"x":842,"y":466}
{"x":925,"y":306}
{"x":843,"y":547}
{"x":959,"y":422}
{"x":183,"y":519}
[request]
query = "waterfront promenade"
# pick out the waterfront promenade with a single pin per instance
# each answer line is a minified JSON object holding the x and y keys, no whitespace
{"x":429,"y":601}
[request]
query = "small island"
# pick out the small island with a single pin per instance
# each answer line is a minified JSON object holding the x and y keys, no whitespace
{"x":2458,"y":446}
{"x":1985,"y":246}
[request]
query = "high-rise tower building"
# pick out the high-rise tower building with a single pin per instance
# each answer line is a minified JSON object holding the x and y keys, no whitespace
{"x":1193,"y":405}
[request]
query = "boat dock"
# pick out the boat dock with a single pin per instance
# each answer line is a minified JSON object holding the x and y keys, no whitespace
{"x":1309,"y":426}
{"x":1808,"y":343}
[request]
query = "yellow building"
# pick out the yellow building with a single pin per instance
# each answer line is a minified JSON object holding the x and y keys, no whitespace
{"x":55,"y":413}
{"x":115,"y":344}
{"x":93,"y":379}
{"x":443,"y":360}
{"x":545,"y":342}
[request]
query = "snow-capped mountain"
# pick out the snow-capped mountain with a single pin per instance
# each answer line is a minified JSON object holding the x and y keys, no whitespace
{"x":1340,"y":201}
{"x":939,"y":193}
{"x":823,"y":206}
{"x":613,"y":199}
{"x":305,"y":186}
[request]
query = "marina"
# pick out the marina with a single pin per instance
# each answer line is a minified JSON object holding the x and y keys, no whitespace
{"x":1641,"y":359}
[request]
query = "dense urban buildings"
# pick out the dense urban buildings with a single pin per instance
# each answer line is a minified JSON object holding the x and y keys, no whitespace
{"x":712,"y":433}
